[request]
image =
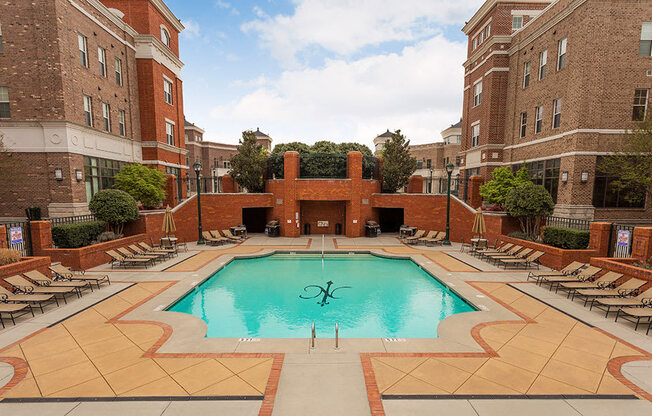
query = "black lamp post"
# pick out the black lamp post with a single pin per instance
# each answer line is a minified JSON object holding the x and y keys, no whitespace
{"x":197,"y":167}
{"x":449,"y":170}
{"x":431,"y":184}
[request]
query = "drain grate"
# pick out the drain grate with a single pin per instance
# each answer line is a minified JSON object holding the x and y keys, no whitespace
{"x":394,"y":339}
{"x":249,"y":339}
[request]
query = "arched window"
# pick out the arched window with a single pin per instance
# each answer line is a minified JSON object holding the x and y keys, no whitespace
{"x":165,"y":37}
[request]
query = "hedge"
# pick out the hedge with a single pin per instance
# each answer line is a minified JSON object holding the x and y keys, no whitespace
{"x":567,"y":238}
{"x":77,"y":235}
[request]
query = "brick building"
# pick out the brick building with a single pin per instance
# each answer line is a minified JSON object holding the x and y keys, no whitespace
{"x":86,"y":86}
{"x":541,"y":88}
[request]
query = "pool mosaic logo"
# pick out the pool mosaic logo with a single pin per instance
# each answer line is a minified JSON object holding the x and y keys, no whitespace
{"x":325,"y":293}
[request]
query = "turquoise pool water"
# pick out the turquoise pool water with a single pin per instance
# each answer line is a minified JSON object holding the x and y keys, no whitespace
{"x":280,"y":296}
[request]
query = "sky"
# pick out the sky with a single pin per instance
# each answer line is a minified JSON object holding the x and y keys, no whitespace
{"x":309,"y":70}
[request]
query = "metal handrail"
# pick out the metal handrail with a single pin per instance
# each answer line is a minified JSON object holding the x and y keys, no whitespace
{"x":313,"y":336}
{"x":337,"y":336}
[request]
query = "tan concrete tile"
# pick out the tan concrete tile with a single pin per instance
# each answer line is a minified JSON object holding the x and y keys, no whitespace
{"x":609,"y":385}
{"x":201,"y":375}
{"x":172,"y":365}
{"x":597,"y":345}
{"x":550,"y":315}
{"x":26,"y":388}
{"x":591,"y":335}
{"x":496,"y":334}
{"x":144,"y":372}
{"x":134,"y":294}
{"x":57,"y":361}
{"x":440,"y":375}
{"x":232,"y":386}
{"x":528,"y":306}
{"x":112,"y":307}
{"x":93,"y":334}
{"x":534,"y":345}
{"x":238,"y":365}
{"x":107,"y":346}
{"x":572,"y":375}
{"x":470,"y":365}
{"x":165,"y":386}
{"x":507,"y":375}
{"x":14,"y":351}
{"x":97,"y":387}
{"x":478,"y":385}
{"x":507,"y":294}
{"x":546,"y":385}
{"x":117,"y":360}
{"x":141,"y":333}
{"x":546,"y":332}
{"x":153,"y":287}
{"x":34,"y":351}
{"x":621,"y":350}
{"x":258,"y":375}
{"x":89,"y":317}
{"x":66,"y":377}
{"x":404,"y":364}
{"x":385,"y":375}
{"x":413,"y":385}
{"x":521,"y":358}
{"x":489,"y":287}
{"x":581,"y":359}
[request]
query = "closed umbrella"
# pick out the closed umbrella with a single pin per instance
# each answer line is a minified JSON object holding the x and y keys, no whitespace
{"x":479,"y":226}
{"x":168,"y":222}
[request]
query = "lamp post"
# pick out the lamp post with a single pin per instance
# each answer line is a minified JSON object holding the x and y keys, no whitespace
{"x":431,"y":185}
{"x":197,"y":167}
{"x":449,"y":170}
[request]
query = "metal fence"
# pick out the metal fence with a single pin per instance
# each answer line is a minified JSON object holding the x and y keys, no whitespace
{"x":276,"y":167}
{"x":620,"y":240}
{"x":75,"y":219}
{"x":370,"y":167}
{"x":207,"y":184}
{"x":19,"y":236}
{"x":575,"y":223}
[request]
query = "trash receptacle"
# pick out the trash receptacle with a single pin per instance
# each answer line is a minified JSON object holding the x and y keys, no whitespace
{"x":338,"y":229}
{"x":306,"y":229}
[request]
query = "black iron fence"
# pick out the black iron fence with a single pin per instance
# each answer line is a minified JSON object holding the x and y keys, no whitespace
{"x":370,"y":167}
{"x":275,"y":167}
{"x":75,"y":219}
{"x":207,"y":184}
{"x":620,"y":240}
{"x":575,"y":223}
{"x":322,"y":165}
{"x":19,"y":236}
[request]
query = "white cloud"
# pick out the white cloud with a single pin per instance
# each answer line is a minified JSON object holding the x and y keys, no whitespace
{"x":418,"y":90}
{"x":227,"y":6}
{"x":192,"y":29}
{"x":346,"y":26}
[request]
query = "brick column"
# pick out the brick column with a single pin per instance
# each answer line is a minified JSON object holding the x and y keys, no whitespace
{"x":642,"y":244}
{"x":354,"y":223}
{"x":415,"y":185}
{"x":170,"y":191}
{"x":475,"y":200}
{"x":3,"y":237}
{"x":41,"y":236}
{"x":290,"y":226}
{"x":599,"y":239}
{"x":228,"y":186}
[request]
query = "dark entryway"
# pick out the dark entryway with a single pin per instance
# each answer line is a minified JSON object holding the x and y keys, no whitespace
{"x":255,"y":219}
{"x":390,"y":219}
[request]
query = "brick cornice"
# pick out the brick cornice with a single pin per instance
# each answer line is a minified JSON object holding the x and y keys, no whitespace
{"x":164,"y":146}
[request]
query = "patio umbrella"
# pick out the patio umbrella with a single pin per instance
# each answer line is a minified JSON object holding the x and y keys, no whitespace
{"x":168,"y":222}
{"x":479,"y":226}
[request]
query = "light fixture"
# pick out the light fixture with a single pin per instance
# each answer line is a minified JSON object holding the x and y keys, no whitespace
{"x":78,"y":174}
{"x":197,"y":167}
{"x":585,"y":176}
{"x":449,"y":168}
{"x":564,"y":176}
{"x":58,"y":174}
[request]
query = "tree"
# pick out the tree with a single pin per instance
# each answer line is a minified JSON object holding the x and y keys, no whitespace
{"x":324,"y":146}
{"x":529,"y":203}
{"x":115,"y":207}
{"x":142,"y":183}
{"x":354,"y":147}
{"x":397,"y":165}
{"x":292,"y":146}
{"x":496,"y":190}
{"x":248,"y":165}
{"x":631,"y":165}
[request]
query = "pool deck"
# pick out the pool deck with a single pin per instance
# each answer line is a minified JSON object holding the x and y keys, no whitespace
{"x":527,"y":350}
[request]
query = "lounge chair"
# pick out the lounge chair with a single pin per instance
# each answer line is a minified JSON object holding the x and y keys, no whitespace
{"x":209,"y":239}
{"x":568,"y":270}
{"x":502,"y":249}
{"x":216,"y":235}
{"x":628,"y":288}
{"x":465,"y":245}
{"x":24,"y":285}
{"x":644,"y":299}
{"x":146,"y":247}
{"x":227,"y":234}
{"x":63,"y":272}
{"x":513,"y":250}
{"x":635,"y":315}
{"x":430,"y":236}
{"x":131,"y":255}
{"x":122,"y":261}
{"x":44,"y":280}
{"x":413,"y":239}
{"x":32,"y":299}
{"x":138,"y":250}
{"x":602,"y":282}
{"x":532,"y":259}
{"x":437,"y":239}
{"x":521,"y":254}
{"x":14,"y":310}
{"x":588,"y":273}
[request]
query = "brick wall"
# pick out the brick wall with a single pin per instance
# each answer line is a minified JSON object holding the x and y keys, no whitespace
{"x":25,"y":265}
{"x":331,"y":211}
{"x":555,"y":258}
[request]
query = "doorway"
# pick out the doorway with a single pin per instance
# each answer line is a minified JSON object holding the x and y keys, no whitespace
{"x":254,"y":219}
{"x":390,"y":219}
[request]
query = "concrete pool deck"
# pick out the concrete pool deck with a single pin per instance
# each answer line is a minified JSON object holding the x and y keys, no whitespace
{"x":526,"y":343}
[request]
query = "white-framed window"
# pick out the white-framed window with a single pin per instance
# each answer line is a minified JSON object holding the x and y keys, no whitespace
{"x":5,"y":111}
{"x":543,"y":62}
{"x":561,"y":56}
{"x":477,"y":93}
{"x":121,"y":123}
{"x":538,"y":119}
{"x":101,"y":57}
{"x":475,"y":135}
{"x":526,"y":74}
{"x":481,"y":39}
{"x":487,"y":31}
{"x":106,"y":117}
{"x":556,"y":113}
{"x":645,"y":47}
{"x":0,"y":38}
{"x":167,"y":91}
{"x":88,"y":110}
{"x":118,"y":71}
{"x":517,"y":22}
{"x":640,"y":104}
{"x":165,"y":36}
{"x":475,"y":43}
{"x":523,"y":129}
{"x":83,"y":49}
{"x":169,"y":133}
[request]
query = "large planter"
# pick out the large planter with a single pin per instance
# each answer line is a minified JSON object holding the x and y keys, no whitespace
{"x":26,"y":264}
{"x":554,"y":257}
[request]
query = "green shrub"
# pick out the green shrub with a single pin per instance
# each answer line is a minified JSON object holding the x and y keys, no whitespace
{"x":144,"y":184}
{"x":521,"y":235}
{"x":108,"y":236}
{"x":9,"y":256}
{"x":115,"y":207}
{"x":567,"y":238}
{"x":77,"y":235}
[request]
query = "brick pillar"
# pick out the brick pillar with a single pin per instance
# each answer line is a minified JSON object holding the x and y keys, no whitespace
{"x":642,"y":244}
{"x":290,"y":226}
{"x":475,"y":200}
{"x":170,"y":191}
{"x":415,"y":185}
{"x":41,"y":236}
{"x":353,"y":226}
{"x":599,"y":239}
{"x":228,"y":186}
{"x":3,"y":237}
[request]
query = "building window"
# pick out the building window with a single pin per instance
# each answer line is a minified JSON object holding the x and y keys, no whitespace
{"x":88,"y":110}
{"x":475,"y":135}
{"x":545,"y":173}
{"x":121,"y":123}
{"x":0,"y":38}
{"x":481,"y":38}
{"x":561,"y":58}
{"x":83,"y":49}
{"x":165,"y":37}
{"x":106,"y":116}
{"x":457,"y":161}
{"x":428,"y":163}
{"x":419,"y":164}
{"x":517,"y":22}
{"x":543,"y":62}
{"x":606,"y":195}
{"x":538,"y":119}
{"x":167,"y":90}
{"x":118,"y":71}
{"x":227,"y":164}
{"x":523,"y":124}
{"x":645,"y":48}
{"x":526,"y":74}
{"x":101,"y":57}
{"x":4,"y":103}
{"x":488,"y":31}
{"x":556,"y":113}
{"x":477,"y":94}
{"x":98,"y":174}
{"x":640,"y":104}
{"x":169,"y":133}
{"x":475,"y":43}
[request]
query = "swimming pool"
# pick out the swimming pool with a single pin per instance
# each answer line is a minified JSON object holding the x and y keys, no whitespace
{"x":281,"y":295}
